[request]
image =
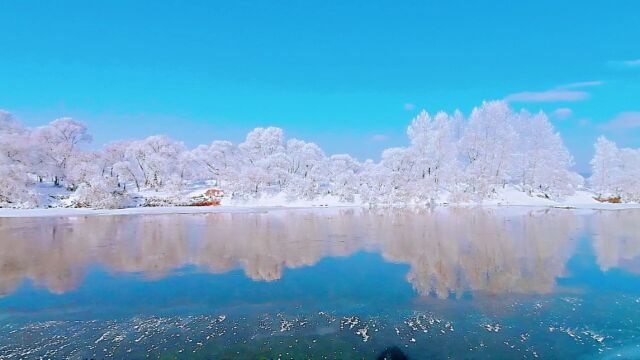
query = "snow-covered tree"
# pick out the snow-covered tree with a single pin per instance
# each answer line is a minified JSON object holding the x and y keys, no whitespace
{"x":343,"y":175}
{"x":101,"y":193}
{"x":629,"y":182}
{"x":542,"y":163}
{"x":615,"y":172}
{"x":262,"y":143}
{"x":447,"y":156}
{"x":15,"y":163}
{"x":157,"y":158}
{"x":397,"y":166}
{"x":374,"y":183}
{"x":263,"y":154}
{"x":434,"y":153}
{"x":57,"y":145}
{"x":110,"y":155}
{"x":82,"y":168}
{"x":306,"y":169}
{"x":218,"y":161}
{"x":488,"y":147}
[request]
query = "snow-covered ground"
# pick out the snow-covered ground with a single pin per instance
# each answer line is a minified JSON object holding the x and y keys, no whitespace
{"x":579,"y":200}
{"x":129,"y":211}
{"x":505,"y":198}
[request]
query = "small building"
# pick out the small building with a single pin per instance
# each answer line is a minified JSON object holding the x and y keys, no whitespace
{"x":211,"y":197}
{"x":213,"y":194}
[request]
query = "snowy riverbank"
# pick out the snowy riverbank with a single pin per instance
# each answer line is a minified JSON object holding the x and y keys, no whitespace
{"x":507,"y":198}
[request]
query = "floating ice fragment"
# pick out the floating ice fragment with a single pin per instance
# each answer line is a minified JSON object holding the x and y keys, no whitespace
{"x":285,"y":325}
{"x":364,"y":333}
{"x":492,"y":327}
{"x":350,"y":321}
{"x":103,"y":337}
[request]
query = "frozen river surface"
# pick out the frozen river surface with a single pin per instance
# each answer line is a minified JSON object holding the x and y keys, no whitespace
{"x":324,"y":283}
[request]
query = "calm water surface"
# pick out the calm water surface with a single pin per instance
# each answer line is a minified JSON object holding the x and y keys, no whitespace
{"x":329,"y":283}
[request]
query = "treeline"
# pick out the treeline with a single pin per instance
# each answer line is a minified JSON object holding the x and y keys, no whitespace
{"x":449,"y":157}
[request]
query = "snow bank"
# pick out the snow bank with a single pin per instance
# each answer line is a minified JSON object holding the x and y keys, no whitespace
{"x":281,"y":199}
{"x":579,"y":200}
{"x":65,"y":212}
{"x":505,"y":198}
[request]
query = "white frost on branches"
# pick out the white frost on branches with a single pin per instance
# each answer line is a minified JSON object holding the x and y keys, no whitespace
{"x":447,"y":158}
{"x":615,"y":172}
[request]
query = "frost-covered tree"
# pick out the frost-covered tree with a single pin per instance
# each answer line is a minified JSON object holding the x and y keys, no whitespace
{"x":434,"y":153}
{"x":218,"y":161}
{"x":344,"y":174}
{"x":264,"y":159}
{"x":15,"y":144}
{"x":447,"y":157}
{"x":615,"y":172}
{"x":306,"y":169}
{"x":605,"y":167}
{"x":397,"y":165}
{"x":101,"y":193}
{"x":15,"y":163}
{"x":110,"y":155}
{"x":629,"y":181}
{"x":157,"y":159}
{"x":82,"y":168}
{"x":57,"y":145}
{"x":374,"y":183}
{"x":488,"y":147}
{"x":263,"y":143}
{"x":542,"y":162}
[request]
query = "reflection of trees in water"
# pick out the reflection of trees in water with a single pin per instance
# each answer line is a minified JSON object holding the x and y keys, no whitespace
{"x":479,"y":250}
{"x":265,"y":244}
{"x":49,"y":255}
{"x":616,"y":239}
{"x":54,"y":253}
{"x":449,"y":251}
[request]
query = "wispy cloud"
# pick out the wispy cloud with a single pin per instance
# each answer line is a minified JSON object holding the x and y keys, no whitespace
{"x":409,"y":106}
{"x":379,"y":137}
{"x":584,"y":122}
{"x":624,"y":121}
{"x":582,"y":84}
{"x":562,"y":93}
{"x":562,"y":113}
{"x":548,"y":96}
{"x":625,"y":63}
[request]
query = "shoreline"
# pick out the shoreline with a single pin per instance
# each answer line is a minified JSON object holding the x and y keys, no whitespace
{"x":186,"y":210}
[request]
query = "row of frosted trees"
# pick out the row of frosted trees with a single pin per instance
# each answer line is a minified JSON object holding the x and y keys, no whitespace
{"x":449,"y":158}
{"x":615,"y":171}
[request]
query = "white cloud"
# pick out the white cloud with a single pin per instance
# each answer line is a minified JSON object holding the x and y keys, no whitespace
{"x":379,"y":138}
{"x":547,"y":96}
{"x":624,"y":120}
{"x":562,"y":113}
{"x":625,"y":63}
{"x":560,"y":93}
{"x":584,"y":122}
{"x":581,"y":84}
{"x":409,"y":106}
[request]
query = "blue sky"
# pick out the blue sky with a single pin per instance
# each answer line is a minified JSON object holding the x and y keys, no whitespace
{"x":348,"y":75}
